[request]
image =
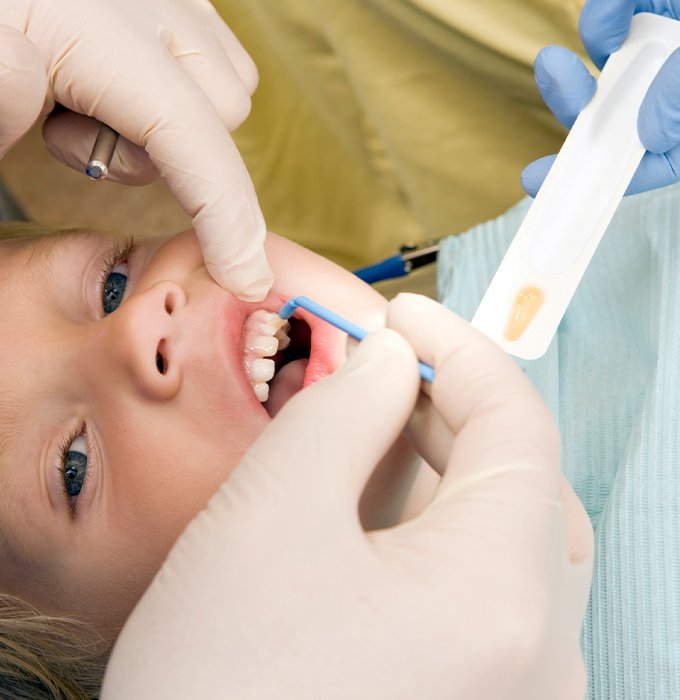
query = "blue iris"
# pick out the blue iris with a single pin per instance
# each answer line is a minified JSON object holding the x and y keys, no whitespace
{"x":114,"y":288}
{"x":75,"y":471}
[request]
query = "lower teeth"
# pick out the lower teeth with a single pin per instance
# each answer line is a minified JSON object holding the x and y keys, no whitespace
{"x":261,"y":390}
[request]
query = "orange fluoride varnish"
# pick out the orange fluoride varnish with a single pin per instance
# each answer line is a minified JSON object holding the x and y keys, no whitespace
{"x":527,"y":303}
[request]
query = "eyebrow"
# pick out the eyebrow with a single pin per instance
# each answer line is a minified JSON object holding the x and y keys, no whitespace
{"x":13,"y":499}
{"x":8,"y":416}
{"x":40,"y":267}
{"x":40,"y":264}
{"x":42,"y":254}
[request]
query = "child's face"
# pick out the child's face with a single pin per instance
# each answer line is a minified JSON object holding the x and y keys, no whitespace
{"x":151,"y":400}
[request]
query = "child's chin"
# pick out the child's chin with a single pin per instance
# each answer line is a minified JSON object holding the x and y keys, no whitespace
{"x":287,"y":382}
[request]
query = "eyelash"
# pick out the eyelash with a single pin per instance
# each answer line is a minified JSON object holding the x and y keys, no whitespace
{"x":63,"y":451}
{"x":119,"y":252}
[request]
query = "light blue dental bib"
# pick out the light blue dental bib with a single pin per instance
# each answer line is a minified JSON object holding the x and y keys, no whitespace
{"x":612,"y":379}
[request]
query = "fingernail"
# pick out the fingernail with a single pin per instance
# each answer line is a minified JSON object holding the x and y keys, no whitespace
{"x":361,"y":357}
{"x":373,"y":321}
{"x":370,"y":322}
{"x":256,"y":291}
{"x":374,"y":349}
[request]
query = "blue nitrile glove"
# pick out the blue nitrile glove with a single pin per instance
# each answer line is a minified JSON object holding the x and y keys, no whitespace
{"x":567,"y":86}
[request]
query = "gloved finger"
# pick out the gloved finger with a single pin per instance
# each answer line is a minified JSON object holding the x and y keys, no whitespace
{"x":493,"y":410}
{"x":23,"y":85}
{"x":604,"y":26}
{"x":192,"y":150}
{"x":564,"y":83}
{"x":659,"y":116}
{"x":212,"y":70}
{"x":579,"y":527}
{"x":205,"y":172}
{"x":239,"y":57}
{"x":656,"y":170}
{"x":429,"y":433}
{"x":581,"y":547}
{"x":69,"y":137}
{"x":501,"y":492}
{"x":213,"y":24}
{"x":533,"y":175}
{"x":325,"y":442}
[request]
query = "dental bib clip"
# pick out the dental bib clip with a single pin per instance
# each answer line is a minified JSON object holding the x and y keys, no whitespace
{"x":352,"y":330}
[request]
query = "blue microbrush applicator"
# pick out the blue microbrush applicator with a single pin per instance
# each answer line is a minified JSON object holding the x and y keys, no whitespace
{"x":354,"y":331}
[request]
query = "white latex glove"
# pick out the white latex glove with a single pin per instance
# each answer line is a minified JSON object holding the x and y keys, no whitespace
{"x":168,"y":75}
{"x":275,"y":591}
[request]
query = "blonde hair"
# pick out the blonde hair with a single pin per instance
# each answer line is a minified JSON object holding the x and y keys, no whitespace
{"x":33,"y":231}
{"x":44,"y":656}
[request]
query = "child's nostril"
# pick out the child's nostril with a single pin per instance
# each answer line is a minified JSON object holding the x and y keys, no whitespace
{"x":172,"y":299}
{"x":160,"y":363}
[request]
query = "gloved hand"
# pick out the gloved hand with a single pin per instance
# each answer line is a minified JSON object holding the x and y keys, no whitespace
{"x":567,"y":86}
{"x":172,"y":79}
{"x":275,"y":591}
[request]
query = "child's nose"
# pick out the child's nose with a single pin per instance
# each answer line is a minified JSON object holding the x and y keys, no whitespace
{"x":143,"y":334}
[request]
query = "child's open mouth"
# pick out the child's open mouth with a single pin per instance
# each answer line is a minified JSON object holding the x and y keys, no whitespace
{"x":281,"y":357}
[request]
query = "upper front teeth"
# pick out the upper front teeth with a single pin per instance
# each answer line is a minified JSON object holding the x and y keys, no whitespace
{"x":265,"y":334}
{"x":260,"y":370}
{"x":262,"y":345}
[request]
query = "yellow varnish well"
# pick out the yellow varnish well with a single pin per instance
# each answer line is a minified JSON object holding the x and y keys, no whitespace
{"x":526,"y":305}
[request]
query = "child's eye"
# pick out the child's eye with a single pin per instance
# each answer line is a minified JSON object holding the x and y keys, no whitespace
{"x":114,"y":276}
{"x":74,"y":466}
{"x":114,"y":287}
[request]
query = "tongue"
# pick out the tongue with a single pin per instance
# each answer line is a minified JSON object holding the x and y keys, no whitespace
{"x":288,"y":381}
